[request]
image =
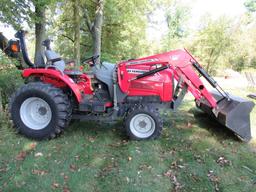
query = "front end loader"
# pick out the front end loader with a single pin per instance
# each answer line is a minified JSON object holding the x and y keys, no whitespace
{"x":134,"y":90}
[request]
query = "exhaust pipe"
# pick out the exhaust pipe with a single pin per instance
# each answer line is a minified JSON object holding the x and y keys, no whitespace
{"x":232,"y":112}
{"x":21,"y":36}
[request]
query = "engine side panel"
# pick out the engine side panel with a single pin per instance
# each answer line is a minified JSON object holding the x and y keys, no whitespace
{"x":160,"y":84}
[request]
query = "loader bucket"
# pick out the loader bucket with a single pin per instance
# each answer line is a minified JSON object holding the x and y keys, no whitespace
{"x":233,"y":113}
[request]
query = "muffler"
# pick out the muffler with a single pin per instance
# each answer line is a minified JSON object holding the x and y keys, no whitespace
{"x":233,"y":112}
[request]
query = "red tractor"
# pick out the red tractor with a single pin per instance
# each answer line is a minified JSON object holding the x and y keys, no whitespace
{"x":134,"y":90}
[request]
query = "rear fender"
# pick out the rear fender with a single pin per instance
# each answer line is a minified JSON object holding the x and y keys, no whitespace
{"x":57,"y":75}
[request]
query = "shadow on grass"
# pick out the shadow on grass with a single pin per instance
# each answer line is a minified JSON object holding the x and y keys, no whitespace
{"x":92,"y":128}
{"x":179,"y":120}
{"x":210,"y":124}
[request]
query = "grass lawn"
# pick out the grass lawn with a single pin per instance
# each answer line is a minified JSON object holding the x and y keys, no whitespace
{"x":193,"y":154}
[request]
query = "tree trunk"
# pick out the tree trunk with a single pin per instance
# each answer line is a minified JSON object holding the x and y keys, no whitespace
{"x":1,"y":104}
{"x":97,"y":28}
{"x":209,"y":61}
{"x":39,"y":33}
{"x":3,"y":42}
{"x":77,"y":31}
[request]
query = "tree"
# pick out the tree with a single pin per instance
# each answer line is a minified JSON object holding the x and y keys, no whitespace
{"x":95,"y":26}
{"x":32,"y":12}
{"x":40,"y":23}
{"x":124,"y":29}
{"x":84,"y":29}
{"x":15,"y":12}
{"x":176,"y":17}
{"x":62,"y":29}
{"x":250,"y":5}
{"x":3,"y":42}
{"x":213,"y":42}
{"x":77,"y":23}
{"x":115,"y":36}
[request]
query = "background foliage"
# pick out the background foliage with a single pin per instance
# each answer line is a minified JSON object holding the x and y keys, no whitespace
{"x":219,"y":43}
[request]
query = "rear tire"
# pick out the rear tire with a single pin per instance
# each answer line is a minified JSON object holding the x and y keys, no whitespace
{"x":143,"y":122}
{"x":40,"y":111}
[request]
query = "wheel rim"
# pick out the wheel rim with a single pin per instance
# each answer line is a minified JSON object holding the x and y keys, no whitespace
{"x":142,"y":125}
{"x":35,"y":113}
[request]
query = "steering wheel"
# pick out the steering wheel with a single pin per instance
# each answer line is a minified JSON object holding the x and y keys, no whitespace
{"x":91,"y":60}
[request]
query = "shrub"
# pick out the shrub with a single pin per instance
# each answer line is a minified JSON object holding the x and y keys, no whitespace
{"x":10,"y":78}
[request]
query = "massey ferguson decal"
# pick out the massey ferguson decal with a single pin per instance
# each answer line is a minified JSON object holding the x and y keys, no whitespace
{"x":141,"y":61}
{"x":136,"y":71}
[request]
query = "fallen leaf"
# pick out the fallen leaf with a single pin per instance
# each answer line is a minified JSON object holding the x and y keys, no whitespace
{"x":195,"y":177}
{"x":181,"y":166}
{"x":77,"y":157}
{"x":173,"y":151}
{"x":145,"y":167}
{"x":39,"y":172}
{"x":3,"y":169}
{"x":177,"y":164}
{"x":174,"y":165}
{"x":72,"y":167}
{"x":169,"y":173}
{"x":222,"y":161}
{"x":65,"y":177}
{"x":242,"y":178}
{"x":55,"y":185}
{"x":39,"y":154}
{"x":115,"y":144}
{"x":173,"y":178}
{"x":91,"y":139}
{"x":21,"y":156}
{"x":32,"y":146}
{"x":214,"y":179}
{"x":124,"y":142}
{"x":66,"y":189}
{"x":199,"y":159}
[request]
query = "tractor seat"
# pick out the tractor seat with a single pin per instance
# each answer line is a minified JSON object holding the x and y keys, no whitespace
{"x":54,"y":59}
{"x":73,"y":72}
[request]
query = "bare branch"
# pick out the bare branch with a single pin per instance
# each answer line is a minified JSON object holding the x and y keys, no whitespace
{"x":69,"y":38}
{"x":72,"y":40}
{"x":87,"y":18}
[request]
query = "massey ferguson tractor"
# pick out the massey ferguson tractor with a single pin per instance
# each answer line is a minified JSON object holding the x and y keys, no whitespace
{"x":134,"y":90}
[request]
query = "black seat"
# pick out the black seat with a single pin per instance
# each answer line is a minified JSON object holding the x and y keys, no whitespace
{"x":73,"y":72}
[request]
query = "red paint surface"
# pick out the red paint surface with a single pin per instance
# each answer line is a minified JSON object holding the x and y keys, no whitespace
{"x":58,"y":79}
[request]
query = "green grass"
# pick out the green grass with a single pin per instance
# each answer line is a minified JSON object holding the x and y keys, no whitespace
{"x":92,"y":157}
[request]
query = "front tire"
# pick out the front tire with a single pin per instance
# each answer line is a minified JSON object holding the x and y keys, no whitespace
{"x":40,"y":111}
{"x":143,"y":122}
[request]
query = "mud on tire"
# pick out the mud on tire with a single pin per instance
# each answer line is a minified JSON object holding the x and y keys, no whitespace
{"x":40,"y":111}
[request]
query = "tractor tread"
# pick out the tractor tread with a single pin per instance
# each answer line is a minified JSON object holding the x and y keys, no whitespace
{"x":61,"y":103}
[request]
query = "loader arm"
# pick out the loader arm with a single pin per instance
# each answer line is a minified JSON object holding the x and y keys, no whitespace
{"x":231,"y":111}
{"x":181,"y":63}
